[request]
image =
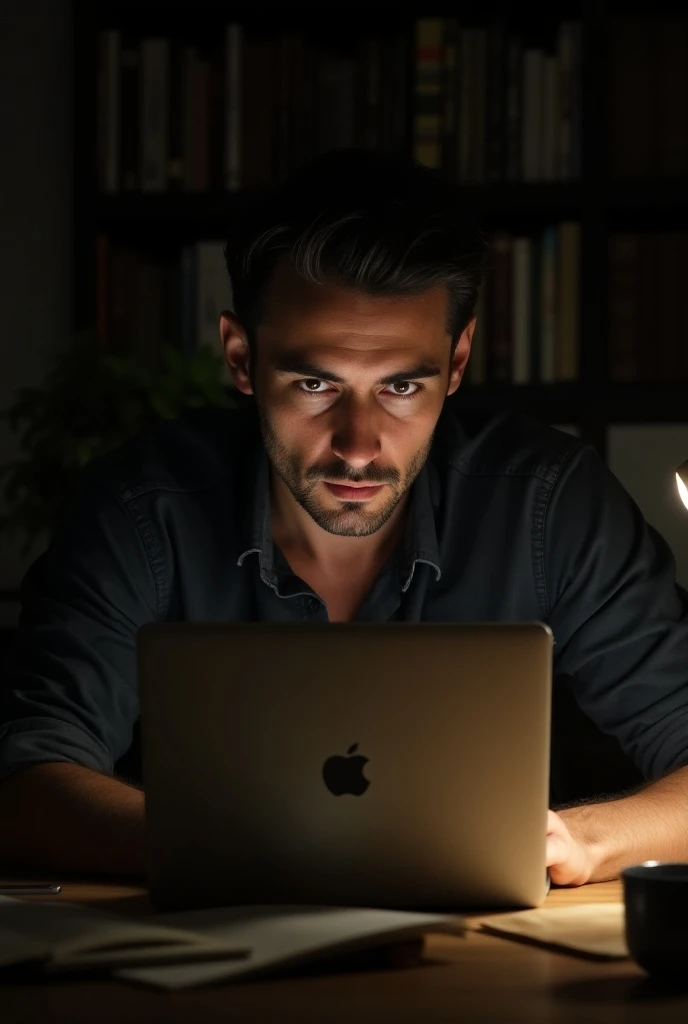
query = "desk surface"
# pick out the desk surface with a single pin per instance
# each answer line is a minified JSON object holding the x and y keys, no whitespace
{"x":476,"y":978}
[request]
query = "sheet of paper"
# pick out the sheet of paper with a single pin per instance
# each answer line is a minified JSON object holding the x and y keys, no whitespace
{"x":593,"y":928}
{"x":67,"y":936}
{"x":285,"y":936}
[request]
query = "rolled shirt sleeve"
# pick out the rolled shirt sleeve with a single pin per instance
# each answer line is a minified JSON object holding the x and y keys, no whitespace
{"x":618,"y":617}
{"x":71,"y":692}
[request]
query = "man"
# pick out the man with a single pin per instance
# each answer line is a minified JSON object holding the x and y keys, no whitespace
{"x":352,"y":494}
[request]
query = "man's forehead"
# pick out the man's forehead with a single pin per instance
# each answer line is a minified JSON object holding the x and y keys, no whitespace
{"x":327,"y":313}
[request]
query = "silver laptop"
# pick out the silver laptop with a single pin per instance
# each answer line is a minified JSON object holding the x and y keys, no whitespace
{"x":371,"y":764}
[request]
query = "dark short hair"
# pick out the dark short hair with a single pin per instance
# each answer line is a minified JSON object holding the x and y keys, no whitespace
{"x":375,"y":222}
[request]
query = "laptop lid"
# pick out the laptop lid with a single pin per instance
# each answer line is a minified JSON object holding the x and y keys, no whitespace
{"x":374,"y":764}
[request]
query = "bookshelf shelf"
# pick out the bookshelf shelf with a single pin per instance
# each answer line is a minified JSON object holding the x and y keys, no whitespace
{"x":211,"y":210}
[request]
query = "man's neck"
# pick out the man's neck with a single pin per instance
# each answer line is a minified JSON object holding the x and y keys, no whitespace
{"x":298,"y":536}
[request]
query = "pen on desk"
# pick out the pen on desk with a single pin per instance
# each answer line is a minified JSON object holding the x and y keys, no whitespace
{"x":42,"y":889}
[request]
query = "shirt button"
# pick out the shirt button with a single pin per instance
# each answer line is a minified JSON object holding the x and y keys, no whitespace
{"x":313,"y":604}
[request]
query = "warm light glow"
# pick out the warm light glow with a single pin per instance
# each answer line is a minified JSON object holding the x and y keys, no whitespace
{"x":682,"y":489}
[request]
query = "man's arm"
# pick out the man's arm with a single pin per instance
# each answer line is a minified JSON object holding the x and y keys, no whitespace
{"x":64,"y":817}
{"x":595,"y":842}
{"x":620,"y":623}
{"x":69,"y":698}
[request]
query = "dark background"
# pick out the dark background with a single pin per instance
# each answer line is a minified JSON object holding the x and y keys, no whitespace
{"x":70,"y":228}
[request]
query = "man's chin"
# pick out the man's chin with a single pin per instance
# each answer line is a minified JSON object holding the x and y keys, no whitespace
{"x":349,"y":519}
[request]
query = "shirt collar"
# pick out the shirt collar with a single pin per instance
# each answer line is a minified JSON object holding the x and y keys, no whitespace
{"x":420,"y":537}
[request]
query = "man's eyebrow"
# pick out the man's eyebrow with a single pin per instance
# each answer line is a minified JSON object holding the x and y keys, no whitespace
{"x":306,"y":369}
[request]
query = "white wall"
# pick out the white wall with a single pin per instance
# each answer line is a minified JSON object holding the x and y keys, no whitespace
{"x":645,"y":458}
{"x":35,"y":212}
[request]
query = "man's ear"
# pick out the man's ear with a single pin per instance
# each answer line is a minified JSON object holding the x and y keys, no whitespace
{"x":237,"y":351}
{"x":460,"y":357}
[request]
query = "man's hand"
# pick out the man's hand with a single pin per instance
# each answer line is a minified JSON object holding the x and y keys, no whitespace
{"x":570,"y":862}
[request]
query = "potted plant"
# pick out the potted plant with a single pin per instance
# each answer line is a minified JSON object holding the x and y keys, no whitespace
{"x":90,"y":403}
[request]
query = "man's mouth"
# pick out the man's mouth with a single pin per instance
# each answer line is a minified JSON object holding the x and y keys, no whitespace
{"x":353,"y":492}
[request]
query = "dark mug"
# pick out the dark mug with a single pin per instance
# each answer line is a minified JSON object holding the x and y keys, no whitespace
{"x":656,"y":902}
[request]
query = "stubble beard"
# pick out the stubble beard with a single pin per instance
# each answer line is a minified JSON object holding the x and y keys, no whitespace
{"x":350,"y":519}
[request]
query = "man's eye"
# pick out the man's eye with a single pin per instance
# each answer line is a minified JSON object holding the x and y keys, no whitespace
{"x":404,"y":388}
{"x":313,"y":386}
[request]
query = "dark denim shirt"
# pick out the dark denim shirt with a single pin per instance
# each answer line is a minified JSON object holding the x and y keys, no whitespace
{"x":519,"y":522}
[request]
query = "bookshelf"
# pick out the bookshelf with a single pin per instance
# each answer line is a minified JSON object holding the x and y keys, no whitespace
{"x":591,"y":199}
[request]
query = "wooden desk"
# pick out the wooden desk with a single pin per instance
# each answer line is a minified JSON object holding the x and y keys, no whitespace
{"x":477,"y":978}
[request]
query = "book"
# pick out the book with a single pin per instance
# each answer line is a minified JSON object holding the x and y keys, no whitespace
{"x":532,"y":117}
{"x":61,"y":937}
{"x":194,"y":947}
{"x":495,"y":100}
{"x":624,"y":306}
{"x":281,"y":937}
{"x":521,"y":309}
{"x":513,"y":110}
{"x":565,"y":99}
{"x":548,"y":306}
{"x":550,"y":117}
{"x":154,"y":114}
{"x":129,"y":106}
{"x":232,"y":106}
{"x":428,"y":117}
{"x":500,"y":345}
{"x":108,"y":89}
{"x":567,"y":355}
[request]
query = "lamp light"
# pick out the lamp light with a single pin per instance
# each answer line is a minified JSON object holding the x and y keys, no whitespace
{"x":682,"y":482}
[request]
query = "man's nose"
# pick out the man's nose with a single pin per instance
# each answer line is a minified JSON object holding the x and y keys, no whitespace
{"x":355,"y":433}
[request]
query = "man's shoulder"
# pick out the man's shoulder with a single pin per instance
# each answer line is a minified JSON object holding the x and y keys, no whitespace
{"x":509,"y":444}
{"x":190,"y":453}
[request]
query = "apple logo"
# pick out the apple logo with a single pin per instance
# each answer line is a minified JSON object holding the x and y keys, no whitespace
{"x":345,"y":774}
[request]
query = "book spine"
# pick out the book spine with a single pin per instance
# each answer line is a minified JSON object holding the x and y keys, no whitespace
{"x":201,"y":163}
{"x":428,"y":109}
{"x":624,"y":306}
{"x":650,"y":293}
{"x":175,"y":156}
{"x":577,"y":106}
{"x":129,"y":109}
{"x":154,"y":114}
{"x":631,"y":106}
{"x":283,"y":106}
{"x":216,"y":117}
{"x":450,"y":97}
{"x":189,"y":175}
{"x":550,"y":118}
{"x":467,"y":112}
{"x":568,"y":355}
{"x":479,"y":148}
{"x":514,"y":109}
{"x":669,"y":299}
{"x":521,"y":315}
{"x":672,"y":100}
{"x":536,"y":310}
{"x":548,"y":298}
{"x":564,"y":162}
{"x":501,"y":342}
{"x":258,"y":102}
{"x":496,"y":101}
{"x":108,"y":109}
{"x":299,"y":100}
{"x":531,"y":135}
{"x":232,"y":106}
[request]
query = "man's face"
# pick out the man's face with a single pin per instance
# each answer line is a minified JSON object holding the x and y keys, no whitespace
{"x":349,"y":390}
